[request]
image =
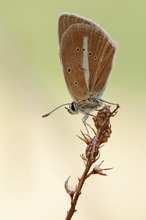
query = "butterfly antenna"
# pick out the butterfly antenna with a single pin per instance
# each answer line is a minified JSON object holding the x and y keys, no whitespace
{"x":46,"y":115}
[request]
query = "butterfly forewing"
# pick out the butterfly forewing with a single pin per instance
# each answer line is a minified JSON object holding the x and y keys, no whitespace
{"x":66,"y":20}
{"x":71,"y":55}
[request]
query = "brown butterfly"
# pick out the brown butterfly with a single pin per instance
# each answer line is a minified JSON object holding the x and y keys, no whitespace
{"x":86,"y":53}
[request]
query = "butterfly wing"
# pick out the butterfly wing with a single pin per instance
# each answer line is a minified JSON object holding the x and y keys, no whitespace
{"x":86,"y":53}
{"x":102,"y":50}
{"x":66,"y":20}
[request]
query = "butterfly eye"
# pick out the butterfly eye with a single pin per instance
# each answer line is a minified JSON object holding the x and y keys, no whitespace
{"x":95,"y":57}
{"x":83,"y":49}
{"x":77,"y":49}
{"x":73,"y":109}
{"x":89,"y":53}
{"x":75,"y":82}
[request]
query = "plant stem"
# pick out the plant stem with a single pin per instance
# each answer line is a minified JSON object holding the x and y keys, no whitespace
{"x":78,"y":192}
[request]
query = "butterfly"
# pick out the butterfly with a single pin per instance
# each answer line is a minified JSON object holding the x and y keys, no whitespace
{"x":86,"y":53}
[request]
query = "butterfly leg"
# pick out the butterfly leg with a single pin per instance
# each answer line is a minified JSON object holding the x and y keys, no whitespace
{"x":86,"y":124}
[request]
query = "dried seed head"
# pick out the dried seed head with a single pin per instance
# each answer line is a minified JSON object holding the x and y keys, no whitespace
{"x":102,"y":134}
{"x":102,"y":123}
{"x":92,"y":150}
{"x":98,"y":170}
{"x":69,"y":189}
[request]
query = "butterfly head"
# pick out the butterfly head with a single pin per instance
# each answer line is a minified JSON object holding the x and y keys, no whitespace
{"x":73,"y":108}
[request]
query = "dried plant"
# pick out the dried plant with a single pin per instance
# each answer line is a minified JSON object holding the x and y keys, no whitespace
{"x":102,"y":133}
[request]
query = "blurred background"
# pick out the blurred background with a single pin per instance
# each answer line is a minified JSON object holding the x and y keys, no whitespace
{"x":38,"y":154}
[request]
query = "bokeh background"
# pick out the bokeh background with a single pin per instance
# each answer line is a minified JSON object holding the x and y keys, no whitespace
{"x":37,"y":155}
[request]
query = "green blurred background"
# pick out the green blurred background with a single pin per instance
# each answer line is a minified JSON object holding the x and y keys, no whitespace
{"x":37,"y":155}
